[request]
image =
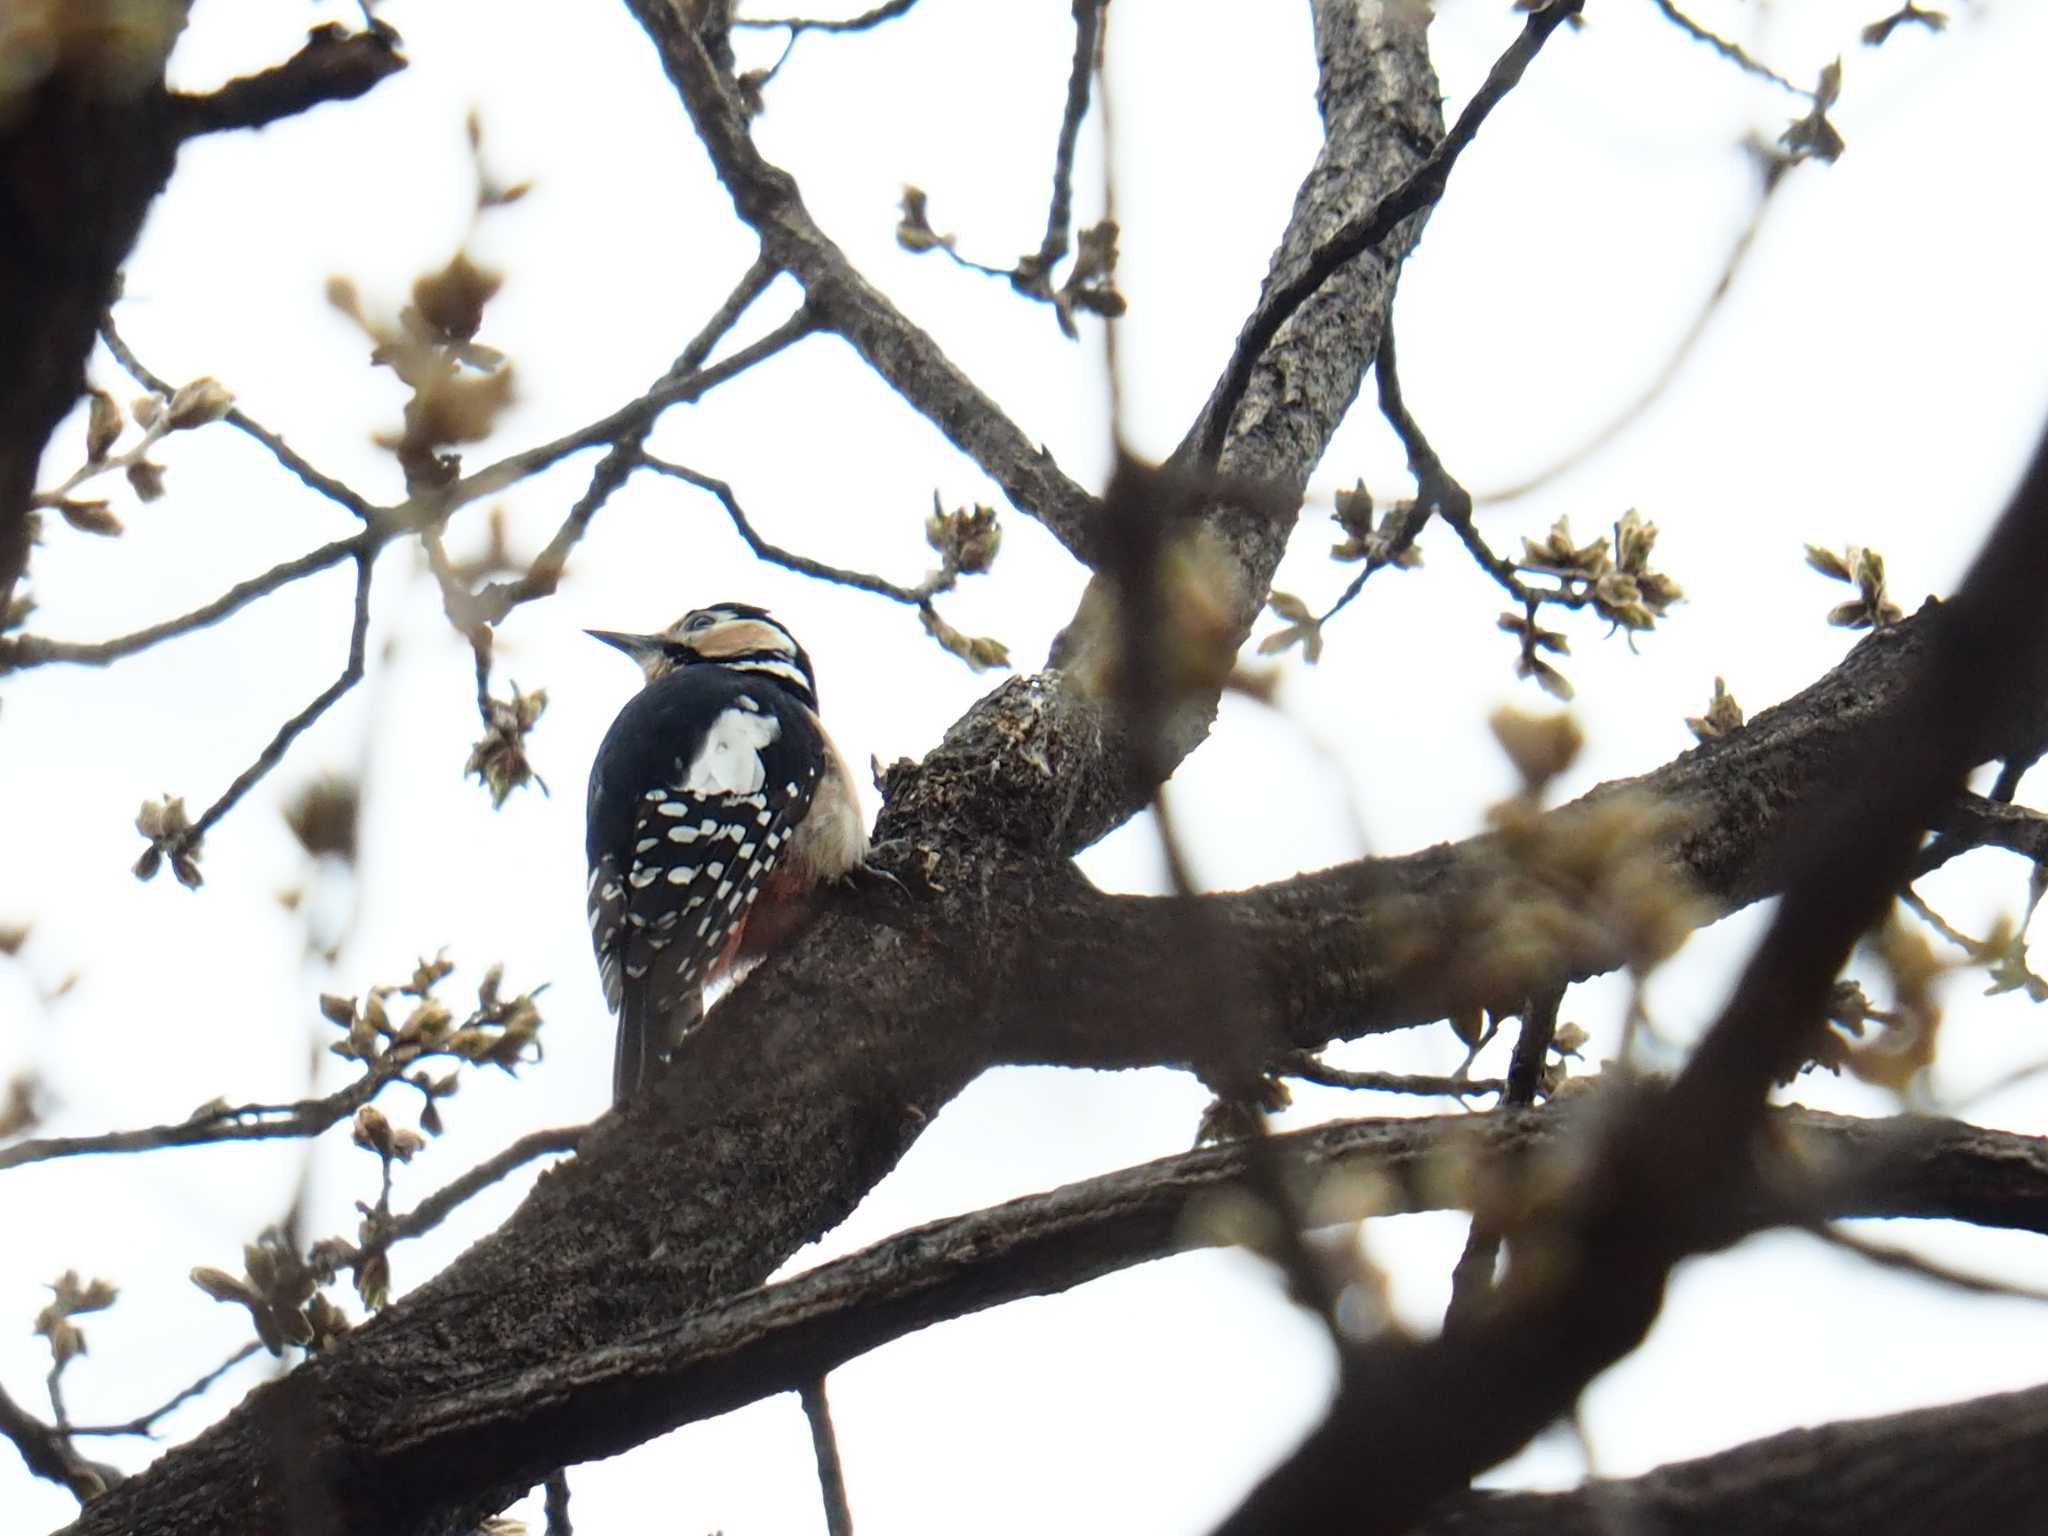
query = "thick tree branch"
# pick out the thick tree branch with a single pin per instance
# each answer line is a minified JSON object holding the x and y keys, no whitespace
{"x":1077,"y":780}
{"x":335,"y":65}
{"x":782,"y":1336}
{"x":1973,"y":1466}
{"x":48,"y":1452}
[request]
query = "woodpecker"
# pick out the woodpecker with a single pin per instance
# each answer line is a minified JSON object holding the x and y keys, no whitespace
{"x":717,"y":806}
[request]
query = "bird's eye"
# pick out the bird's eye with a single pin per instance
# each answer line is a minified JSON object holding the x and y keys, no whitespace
{"x":699,"y":621}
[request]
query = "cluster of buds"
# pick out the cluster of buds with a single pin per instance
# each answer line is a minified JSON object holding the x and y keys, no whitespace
{"x":171,"y":836}
{"x":966,"y":540}
{"x":1596,"y":879}
{"x":1365,"y":541}
{"x":282,"y":1293}
{"x":499,"y":757}
{"x":69,"y":1297}
{"x":499,"y":1031}
{"x":192,"y":405}
{"x":1872,"y":607}
{"x":1723,"y":716}
{"x":1616,"y":579}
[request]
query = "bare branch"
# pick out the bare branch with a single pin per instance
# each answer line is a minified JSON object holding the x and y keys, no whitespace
{"x":1771,"y":170}
{"x":861,"y":23}
{"x":1732,"y":52}
{"x":825,"y":1448}
{"x":1879,"y":32}
{"x":441,"y":1204}
{"x":556,"y":1506}
{"x":1972,"y":1466}
{"x":544,"y":571}
{"x":636,"y":416}
{"x":774,"y":554}
{"x":1472,"y":1276}
{"x":1422,"y":188}
{"x":1973,"y":821}
{"x":1908,"y":1263}
{"x":782,"y":1336}
{"x":19,"y":652}
{"x":334,"y":65}
{"x":1310,"y":1069}
{"x":145,"y":1423}
{"x":1436,"y":491}
{"x":246,"y":1122}
{"x":1059,"y":217}
{"x":49,"y":1453}
{"x":333,"y":489}
{"x":292,"y":729}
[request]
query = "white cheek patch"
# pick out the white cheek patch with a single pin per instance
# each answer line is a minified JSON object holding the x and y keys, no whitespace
{"x":729,"y":762}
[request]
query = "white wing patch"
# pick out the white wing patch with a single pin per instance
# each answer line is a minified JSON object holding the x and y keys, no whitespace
{"x":729,"y":762}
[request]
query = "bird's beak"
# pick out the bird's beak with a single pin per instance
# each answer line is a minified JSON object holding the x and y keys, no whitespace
{"x":639,"y":647}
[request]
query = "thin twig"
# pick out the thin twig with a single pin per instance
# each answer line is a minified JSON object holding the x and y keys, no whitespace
{"x":247,"y":1122}
{"x":1532,"y":1049}
{"x":1059,"y":216}
{"x":1927,"y":1269}
{"x":1730,"y":51}
{"x":333,"y":489}
{"x":774,"y":554}
{"x":631,"y":416}
{"x":1424,"y":185}
{"x":290,"y":731}
{"x":438,"y":1206}
{"x":145,"y":1423}
{"x":1772,"y":169}
{"x":17,"y":653}
{"x":1307,"y":1068}
{"x":1879,"y":32}
{"x":825,"y":1447}
{"x":544,"y":572}
{"x":1436,"y":491}
{"x":795,"y":24}
{"x":636,"y":416}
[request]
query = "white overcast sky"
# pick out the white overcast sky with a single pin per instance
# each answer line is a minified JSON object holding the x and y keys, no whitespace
{"x":1875,"y":376}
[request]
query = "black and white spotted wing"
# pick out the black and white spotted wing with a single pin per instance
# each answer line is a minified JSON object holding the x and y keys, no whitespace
{"x":694,"y":795}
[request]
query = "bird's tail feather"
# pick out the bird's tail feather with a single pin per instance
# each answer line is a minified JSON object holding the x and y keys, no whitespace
{"x":647,"y":1036}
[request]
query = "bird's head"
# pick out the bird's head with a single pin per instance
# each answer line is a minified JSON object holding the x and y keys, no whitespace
{"x":735,"y":635}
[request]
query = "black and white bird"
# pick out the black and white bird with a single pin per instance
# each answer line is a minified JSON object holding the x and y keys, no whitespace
{"x":717,"y":806}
